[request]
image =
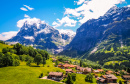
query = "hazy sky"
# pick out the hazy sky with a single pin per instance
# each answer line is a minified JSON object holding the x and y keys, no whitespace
{"x":61,"y":14}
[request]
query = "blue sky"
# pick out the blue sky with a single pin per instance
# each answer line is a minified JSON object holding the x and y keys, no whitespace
{"x":61,"y":14}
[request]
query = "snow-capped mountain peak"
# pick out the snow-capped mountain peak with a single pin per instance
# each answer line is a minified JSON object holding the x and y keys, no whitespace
{"x":30,"y":21}
{"x":33,"y":31}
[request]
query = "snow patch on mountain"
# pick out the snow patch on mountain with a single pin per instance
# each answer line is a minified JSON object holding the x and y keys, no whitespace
{"x":67,"y":32}
{"x":45,"y":30}
{"x":29,"y":37}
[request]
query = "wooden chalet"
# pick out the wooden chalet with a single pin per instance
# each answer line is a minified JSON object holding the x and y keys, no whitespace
{"x":66,"y":66}
{"x":100,"y":70}
{"x":83,"y":70}
{"x":109,"y":72}
{"x":69,"y":71}
{"x":61,"y":66}
{"x":56,"y":76}
{"x":126,"y":77}
{"x":107,"y":79}
{"x":95,"y":71}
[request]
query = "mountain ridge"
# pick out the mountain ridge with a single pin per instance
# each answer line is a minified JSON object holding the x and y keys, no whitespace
{"x":37,"y":33}
{"x":94,"y":31}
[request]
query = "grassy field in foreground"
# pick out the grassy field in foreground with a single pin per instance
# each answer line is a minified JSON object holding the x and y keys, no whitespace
{"x":26,"y":75}
{"x":29,"y":75}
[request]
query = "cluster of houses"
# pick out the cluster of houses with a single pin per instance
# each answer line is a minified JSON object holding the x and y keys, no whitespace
{"x":104,"y":79}
{"x":66,"y":66}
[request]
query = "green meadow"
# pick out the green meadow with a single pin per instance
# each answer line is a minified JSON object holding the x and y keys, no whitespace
{"x":26,"y":75}
{"x":4,"y":46}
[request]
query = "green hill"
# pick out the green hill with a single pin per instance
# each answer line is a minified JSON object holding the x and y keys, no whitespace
{"x":4,"y":46}
{"x":27,"y":75}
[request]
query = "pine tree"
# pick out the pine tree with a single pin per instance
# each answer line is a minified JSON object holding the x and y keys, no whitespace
{"x":81,"y":63}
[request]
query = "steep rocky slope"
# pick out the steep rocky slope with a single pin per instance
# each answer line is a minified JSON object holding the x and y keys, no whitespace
{"x":95,"y":31}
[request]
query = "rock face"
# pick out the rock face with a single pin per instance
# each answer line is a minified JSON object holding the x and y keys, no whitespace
{"x":40,"y":35}
{"x":89,"y":35}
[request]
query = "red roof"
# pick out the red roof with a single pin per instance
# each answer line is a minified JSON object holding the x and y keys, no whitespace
{"x":100,"y":70}
{"x":68,"y":70}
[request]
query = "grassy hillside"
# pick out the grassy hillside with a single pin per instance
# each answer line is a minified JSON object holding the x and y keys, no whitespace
{"x":27,"y":75}
{"x":4,"y":46}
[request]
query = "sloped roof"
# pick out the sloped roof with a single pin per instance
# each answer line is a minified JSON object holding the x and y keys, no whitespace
{"x":110,"y":76}
{"x":100,"y":70}
{"x":126,"y":76}
{"x":68,"y":70}
{"x":96,"y":71}
{"x":85,"y":69}
{"x":56,"y":73}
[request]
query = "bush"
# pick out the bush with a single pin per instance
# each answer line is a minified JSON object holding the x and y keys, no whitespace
{"x":41,"y":75}
{"x":16,"y":62}
{"x":89,"y":78}
{"x":38,"y":59}
{"x":73,"y":76}
{"x":30,"y":60}
{"x":10,"y":60}
{"x":69,"y":79}
{"x":5,"y":50}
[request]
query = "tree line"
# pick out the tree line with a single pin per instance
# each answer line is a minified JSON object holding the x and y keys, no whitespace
{"x":12,"y":56}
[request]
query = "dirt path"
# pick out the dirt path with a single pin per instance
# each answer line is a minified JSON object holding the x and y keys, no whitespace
{"x":45,"y":77}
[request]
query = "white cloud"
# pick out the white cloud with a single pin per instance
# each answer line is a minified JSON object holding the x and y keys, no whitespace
{"x":28,"y":7}
{"x":7,"y":35}
{"x":24,"y":9}
{"x":66,"y":21}
{"x":128,"y":5}
{"x":82,"y":13}
{"x":30,"y":21}
{"x":80,"y":2}
{"x":25,"y":15}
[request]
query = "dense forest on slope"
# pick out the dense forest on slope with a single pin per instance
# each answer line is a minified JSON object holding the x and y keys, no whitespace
{"x":11,"y":55}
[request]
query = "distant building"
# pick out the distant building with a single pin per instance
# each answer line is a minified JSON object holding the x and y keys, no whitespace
{"x":107,"y":79}
{"x":82,"y":70}
{"x":100,"y":70}
{"x":77,"y":67}
{"x":126,"y":77}
{"x":66,"y":61}
{"x":66,"y":66}
{"x":95,"y":71}
{"x":56,"y":75}
{"x":109,"y":72}
{"x":54,"y":59}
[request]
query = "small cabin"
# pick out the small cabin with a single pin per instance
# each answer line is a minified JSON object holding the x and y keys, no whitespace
{"x":56,"y":76}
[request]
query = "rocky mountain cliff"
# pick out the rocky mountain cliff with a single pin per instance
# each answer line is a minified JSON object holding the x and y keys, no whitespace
{"x":114,"y":24}
{"x":38,"y":34}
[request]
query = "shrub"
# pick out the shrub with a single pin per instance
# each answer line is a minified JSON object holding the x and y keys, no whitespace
{"x":41,"y":75}
{"x":16,"y":62}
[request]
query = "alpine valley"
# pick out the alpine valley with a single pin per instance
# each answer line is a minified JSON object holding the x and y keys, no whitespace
{"x":35,"y":52}
{"x":106,"y":38}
